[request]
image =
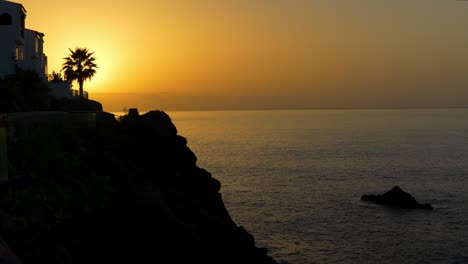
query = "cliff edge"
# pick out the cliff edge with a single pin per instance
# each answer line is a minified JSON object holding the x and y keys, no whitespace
{"x":127,"y":191}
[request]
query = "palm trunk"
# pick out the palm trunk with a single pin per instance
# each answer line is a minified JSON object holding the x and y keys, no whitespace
{"x":81,"y":88}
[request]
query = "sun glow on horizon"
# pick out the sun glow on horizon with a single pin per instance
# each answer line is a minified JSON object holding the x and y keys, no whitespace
{"x":263,"y":48}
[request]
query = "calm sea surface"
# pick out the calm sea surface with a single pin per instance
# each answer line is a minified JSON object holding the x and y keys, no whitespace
{"x":294,"y":180}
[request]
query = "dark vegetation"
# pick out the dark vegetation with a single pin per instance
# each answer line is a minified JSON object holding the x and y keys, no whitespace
{"x":26,"y":91}
{"x":23,"y":91}
{"x":56,"y":77}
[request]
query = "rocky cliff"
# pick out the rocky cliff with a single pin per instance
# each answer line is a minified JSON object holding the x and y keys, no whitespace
{"x":117,"y":192}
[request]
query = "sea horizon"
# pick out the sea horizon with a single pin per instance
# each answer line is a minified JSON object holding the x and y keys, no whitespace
{"x":294,"y":180}
{"x":289,"y":109}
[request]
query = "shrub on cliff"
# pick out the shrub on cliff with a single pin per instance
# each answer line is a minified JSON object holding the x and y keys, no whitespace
{"x":23,"y":91}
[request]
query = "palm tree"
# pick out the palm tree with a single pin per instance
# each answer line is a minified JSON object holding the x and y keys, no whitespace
{"x":79,"y":66}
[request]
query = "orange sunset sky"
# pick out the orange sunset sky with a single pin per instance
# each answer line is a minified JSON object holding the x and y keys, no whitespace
{"x":263,"y":54}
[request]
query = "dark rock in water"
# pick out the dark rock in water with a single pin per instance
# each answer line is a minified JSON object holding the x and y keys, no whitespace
{"x":397,"y":197}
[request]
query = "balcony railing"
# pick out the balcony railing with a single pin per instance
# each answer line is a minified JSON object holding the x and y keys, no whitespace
{"x":76,"y":93}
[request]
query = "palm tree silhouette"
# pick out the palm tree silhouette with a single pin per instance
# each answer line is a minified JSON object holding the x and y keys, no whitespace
{"x":79,"y":66}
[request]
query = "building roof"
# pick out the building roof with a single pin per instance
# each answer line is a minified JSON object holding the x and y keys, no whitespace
{"x":13,"y":3}
{"x":35,"y":31}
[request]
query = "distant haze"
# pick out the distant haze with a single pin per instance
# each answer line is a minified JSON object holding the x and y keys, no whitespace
{"x":255,"y":54}
{"x":172,"y":102}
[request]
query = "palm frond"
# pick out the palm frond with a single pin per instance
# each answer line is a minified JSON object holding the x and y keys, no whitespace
{"x":79,"y":66}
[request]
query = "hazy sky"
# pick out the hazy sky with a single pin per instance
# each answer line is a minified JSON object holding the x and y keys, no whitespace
{"x":265,"y":53}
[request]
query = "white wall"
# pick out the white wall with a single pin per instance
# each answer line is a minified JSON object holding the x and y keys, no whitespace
{"x":34,"y":58}
{"x":11,"y":36}
{"x":28,"y":43}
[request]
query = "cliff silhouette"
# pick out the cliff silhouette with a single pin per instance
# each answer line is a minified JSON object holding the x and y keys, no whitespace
{"x":114,"y":191}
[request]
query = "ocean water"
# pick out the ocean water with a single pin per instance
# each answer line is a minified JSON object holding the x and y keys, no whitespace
{"x":294,"y":180}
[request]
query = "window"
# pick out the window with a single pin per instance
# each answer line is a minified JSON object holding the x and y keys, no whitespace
{"x":6,"y":19}
{"x":37,"y":45}
{"x":18,"y":54}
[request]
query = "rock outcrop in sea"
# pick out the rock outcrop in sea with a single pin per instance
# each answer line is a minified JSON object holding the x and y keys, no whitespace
{"x":114,"y":192}
{"x":397,"y":197}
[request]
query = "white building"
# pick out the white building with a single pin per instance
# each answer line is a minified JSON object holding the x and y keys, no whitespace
{"x":19,"y":47}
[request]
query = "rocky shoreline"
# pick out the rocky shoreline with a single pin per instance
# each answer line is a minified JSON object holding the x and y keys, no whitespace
{"x":126,"y":191}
